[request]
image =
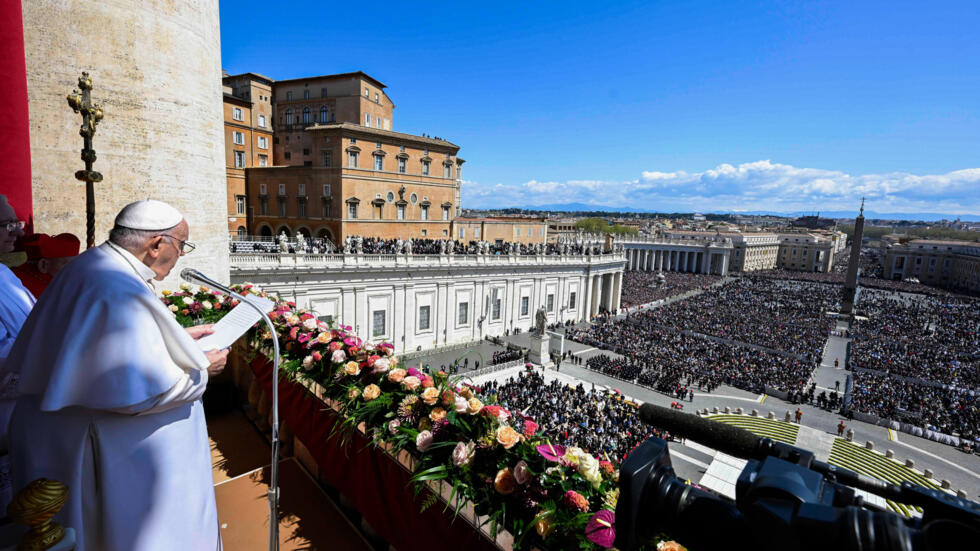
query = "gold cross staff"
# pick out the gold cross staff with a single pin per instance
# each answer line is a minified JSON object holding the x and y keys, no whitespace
{"x":91,"y":115}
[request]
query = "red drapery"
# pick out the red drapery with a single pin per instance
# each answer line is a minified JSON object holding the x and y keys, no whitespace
{"x":14,"y":137}
{"x":371,"y":479}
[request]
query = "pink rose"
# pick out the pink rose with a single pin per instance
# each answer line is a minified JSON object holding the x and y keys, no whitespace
{"x":521,"y":474}
{"x":427,"y":381}
{"x":461,"y":404}
{"x":382,"y":365}
{"x":463,"y":453}
{"x":411,"y":382}
{"x":423,"y":440}
{"x":335,"y":345}
{"x":317,"y":356}
{"x":338,"y":356}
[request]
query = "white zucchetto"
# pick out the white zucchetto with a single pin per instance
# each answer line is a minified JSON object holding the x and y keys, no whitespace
{"x":148,"y":215}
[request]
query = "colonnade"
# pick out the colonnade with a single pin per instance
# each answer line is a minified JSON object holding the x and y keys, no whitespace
{"x":604,"y":292}
{"x":701,"y":260}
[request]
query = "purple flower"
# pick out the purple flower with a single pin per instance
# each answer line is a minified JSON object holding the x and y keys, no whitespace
{"x":551,"y":452}
{"x":601,"y":530}
{"x":414,"y":372}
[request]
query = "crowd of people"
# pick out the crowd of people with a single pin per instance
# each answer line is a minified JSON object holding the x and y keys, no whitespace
{"x":378,"y":245}
{"x":504,"y":356}
{"x":644,"y":287}
{"x":601,"y":423}
{"x":924,"y":357}
{"x":665,"y":360}
{"x":784,"y":316}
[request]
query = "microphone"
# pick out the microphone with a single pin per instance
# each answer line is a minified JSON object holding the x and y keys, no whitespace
{"x":191,"y":275}
{"x":730,"y":439}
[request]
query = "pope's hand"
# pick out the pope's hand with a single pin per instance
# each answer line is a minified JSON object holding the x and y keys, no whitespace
{"x":218,"y":358}
{"x":199,"y":331}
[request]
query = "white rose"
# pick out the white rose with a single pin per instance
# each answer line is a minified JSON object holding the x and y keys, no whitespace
{"x":382,"y":365}
{"x":173,"y":308}
{"x":206,"y":305}
{"x":187,"y":301}
{"x":185,"y":286}
{"x":588,"y":467}
{"x":461,"y":404}
{"x":310,"y":324}
{"x":308,"y":362}
{"x":338,"y":356}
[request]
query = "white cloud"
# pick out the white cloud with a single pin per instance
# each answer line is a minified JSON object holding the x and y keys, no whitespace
{"x":754,"y":186}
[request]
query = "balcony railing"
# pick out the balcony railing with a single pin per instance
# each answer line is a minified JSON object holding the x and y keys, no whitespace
{"x":275,"y":261}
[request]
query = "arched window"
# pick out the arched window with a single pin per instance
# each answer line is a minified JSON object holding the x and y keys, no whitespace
{"x":306,"y":115}
{"x":241,"y":231}
{"x":324,"y":115}
{"x":289,"y":116}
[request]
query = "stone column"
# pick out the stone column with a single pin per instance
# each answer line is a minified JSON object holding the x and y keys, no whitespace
{"x":660,"y":260}
{"x":617,"y":290}
{"x":682,"y":261}
{"x":724,"y":264}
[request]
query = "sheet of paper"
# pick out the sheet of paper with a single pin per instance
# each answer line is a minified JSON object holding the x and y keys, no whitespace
{"x":235,"y":324}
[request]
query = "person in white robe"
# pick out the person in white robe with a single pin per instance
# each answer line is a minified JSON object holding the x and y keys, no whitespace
{"x":110,"y":389}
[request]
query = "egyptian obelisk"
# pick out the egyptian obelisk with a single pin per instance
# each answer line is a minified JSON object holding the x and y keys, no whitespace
{"x":850,"y":284}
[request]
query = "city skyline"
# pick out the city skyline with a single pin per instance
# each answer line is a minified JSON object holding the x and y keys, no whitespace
{"x":707,"y":107}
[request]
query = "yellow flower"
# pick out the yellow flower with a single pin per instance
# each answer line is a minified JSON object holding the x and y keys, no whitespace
{"x":437,"y":414}
{"x":430,"y":395}
{"x":167,"y":292}
{"x":352,"y":368}
{"x":508,"y":437}
{"x":474,"y":406}
{"x":544,"y":525}
{"x":371,"y":392}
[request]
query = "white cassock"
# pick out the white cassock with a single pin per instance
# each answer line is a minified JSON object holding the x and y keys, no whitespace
{"x":15,"y":303}
{"x":110,"y":389}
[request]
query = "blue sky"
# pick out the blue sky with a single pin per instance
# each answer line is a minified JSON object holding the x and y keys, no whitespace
{"x":709,"y":106}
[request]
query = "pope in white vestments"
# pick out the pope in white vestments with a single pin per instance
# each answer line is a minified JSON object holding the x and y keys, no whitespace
{"x":110,"y":389}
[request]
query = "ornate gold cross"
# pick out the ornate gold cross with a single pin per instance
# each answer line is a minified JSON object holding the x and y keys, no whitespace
{"x":91,"y":115}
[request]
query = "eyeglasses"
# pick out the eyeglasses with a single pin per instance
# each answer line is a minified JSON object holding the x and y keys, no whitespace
{"x":185,"y":246}
{"x":13,"y":226}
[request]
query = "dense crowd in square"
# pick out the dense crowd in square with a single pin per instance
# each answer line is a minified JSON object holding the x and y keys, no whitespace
{"x":924,"y":357}
{"x":643,"y":288}
{"x":665,"y":360}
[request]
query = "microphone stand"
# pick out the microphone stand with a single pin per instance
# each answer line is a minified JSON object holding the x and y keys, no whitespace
{"x":273,"y":493}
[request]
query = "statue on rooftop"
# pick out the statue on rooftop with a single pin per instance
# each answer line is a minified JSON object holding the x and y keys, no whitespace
{"x":359,"y":245}
{"x":283,"y":243}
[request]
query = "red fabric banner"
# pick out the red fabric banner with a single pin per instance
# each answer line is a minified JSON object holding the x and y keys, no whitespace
{"x":15,"y":141}
{"x":371,"y":479}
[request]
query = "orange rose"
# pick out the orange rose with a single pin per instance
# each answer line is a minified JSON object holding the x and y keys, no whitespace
{"x":371,"y":392}
{"x":466,"y":392}
{"x":544,"y":525}
{"x":323,"y":338}
{"x":430,"y":395}
{"x":352,"y":368}
{"x":437,"y":414}
{"x":507,"y":437}
{"x":411,"y":382}
{"x":353,"y":393}
{"x":474,"y":406}
{"x":505,"y":483}
{"x":396,"y":375}
{"x":670,"y":546}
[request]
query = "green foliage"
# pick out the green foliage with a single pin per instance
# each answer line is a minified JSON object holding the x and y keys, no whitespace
{"x":913,"y":232}
{"x":599,"y":225}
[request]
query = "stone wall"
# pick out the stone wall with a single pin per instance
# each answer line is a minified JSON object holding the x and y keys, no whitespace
{"x":156,"y":70}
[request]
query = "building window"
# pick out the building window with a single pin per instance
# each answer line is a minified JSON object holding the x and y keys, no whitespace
{"x":424,"y":322}
{"x":325,"y":208}
{"x":263,"y":206}
{"x":378,"y":323}
{"x":379,"y":162}
{"x":351,"y":210}
{"x":518,"y":230}
{"x":287,"y":155}
{"x":464,"y":313}
{"x":425,"y":168}
{"x":289,"y":116}
{"x":239,"y":204}
{"x":377,"y":122}
{"x":323,"y":92}
{"x":366,"y":93}
{"x":306,"y":94}
{"x":376,"y":97}
{"x":289,"y":96}
{"x":352,"y":159}
{"x":462,"y":233}
{"x":571,"y":300}
{"x":239,"y":159}
{"x":425,"y":213}
{"x":241,"y":232}
{"x":324,"y":115}
{"x":262,"y":189}
{"x":301,"y":207}
{"x":326,"y":190}
{"x":495,"y":311}
{"x":525,"y":305}
{"x":237,"y":114}
{"x":476,"y":233}
{"x":401,"y":166}
{"x":367,"y":119}
{"x":263,"y":142}
{"x":282,"y":189}
{"x":425,"y":232}
{"x":282,"y":208}
{"x":550,"y":303}
{"x":401,"y":212}
{"x":262,"y":123}
{"x":263,"y":160}
{"x":353,"y":141}
{"x":445,"y":213}
{"x":541,"y":232}
{"x":239,"y":138}
{"x":327,"y":158}
{"x":446,"y":171}
{"x":302,"y":189}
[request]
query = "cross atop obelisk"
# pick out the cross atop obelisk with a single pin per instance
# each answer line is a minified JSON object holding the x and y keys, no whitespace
{"x":850,"y":284}
{"x":91,"y":115}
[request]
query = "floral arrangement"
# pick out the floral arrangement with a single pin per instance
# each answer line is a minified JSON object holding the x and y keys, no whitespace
{"x":544,"y":494}
{"x":197,"y":307}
